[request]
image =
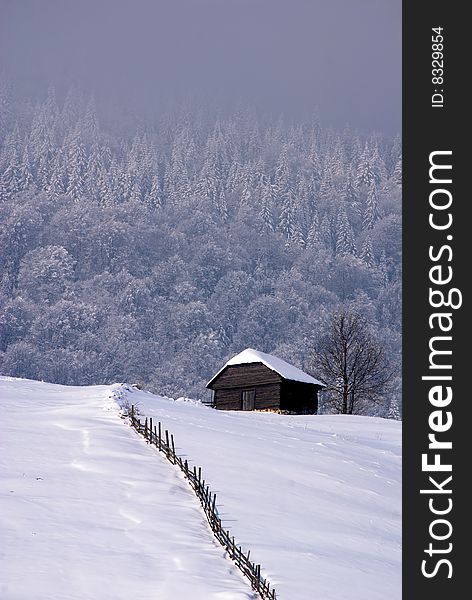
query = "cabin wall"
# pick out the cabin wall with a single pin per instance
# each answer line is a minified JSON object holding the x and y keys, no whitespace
{"x":245,"y":376}
{"x":267,"y":396}
{"x":299,"y":397}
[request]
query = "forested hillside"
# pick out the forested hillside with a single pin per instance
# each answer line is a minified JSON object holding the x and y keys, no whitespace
{"x":152,"y":250}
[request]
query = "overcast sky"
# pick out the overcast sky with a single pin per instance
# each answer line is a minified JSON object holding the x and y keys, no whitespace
{"x":342,"y":56}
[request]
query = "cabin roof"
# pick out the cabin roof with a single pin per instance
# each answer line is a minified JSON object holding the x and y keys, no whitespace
{"x":284,"y":369}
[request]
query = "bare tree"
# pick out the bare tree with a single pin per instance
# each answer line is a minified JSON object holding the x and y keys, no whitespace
{"x":351,"y":362}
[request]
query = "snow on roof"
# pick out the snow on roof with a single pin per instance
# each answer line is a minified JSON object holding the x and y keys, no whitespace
{"x":284,"y":369}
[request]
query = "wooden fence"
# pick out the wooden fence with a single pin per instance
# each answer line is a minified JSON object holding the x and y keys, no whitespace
{"x":164,"y":441}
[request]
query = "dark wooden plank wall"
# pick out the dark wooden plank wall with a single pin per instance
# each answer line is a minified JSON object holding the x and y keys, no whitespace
{"x":267,"y":396}
{"x":245,"y":376}
{"x":299,"y":397}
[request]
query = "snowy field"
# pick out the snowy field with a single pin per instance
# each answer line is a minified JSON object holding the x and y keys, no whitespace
{"x":90,"y":511}
{"x":317,"y":499}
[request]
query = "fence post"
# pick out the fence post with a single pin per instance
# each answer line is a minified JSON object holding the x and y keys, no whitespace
{"x":150,"y":430}
{"x":213,"y":508}
{"x":145,"y":427}
{"x":173,"y":448}
{"x":132,"y":414}
{"x":167,"y":441}
{"x":160,"y":437}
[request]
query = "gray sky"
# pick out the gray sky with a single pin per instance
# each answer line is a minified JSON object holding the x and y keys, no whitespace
{"x":342,"y":56}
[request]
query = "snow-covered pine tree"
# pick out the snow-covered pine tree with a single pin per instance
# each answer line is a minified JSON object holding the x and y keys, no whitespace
{"x":298,"y":236}
{"x":11,"y":178}
{"x":104,"y":190}
{"x":222,"y":205}
{"x":398,"y":173}
{"x":365,"y":175}
{"x":235,"y":178}
{"x":92,"y":172}
{"x":42,"y":144}
{"x":113,"y":180}
{"x":393,"y":153}
{"x":314,"y":163}
{"x":247,"y":192}
{"x":371,"y":208}
{"x":383,"y":269}
{"x":56,"y":186}
{"x":26,"y":177}
{"x":282,"y":178}
{"x":136,"y":193}
{"x":75,"y":166}
{"x":287,"y":215}
{"x":11,"y":146}
{"x":327,"y":194}
{"x":44,"y":164}
{"x":367,"y":254}
{"x":349,"y":192}
{"x":209,"y":182}
{"x":335,"y":165}
{"x":125,"y":186}
{"x":105,"y":155}
{"x":314,"y":237}
{"x":378,"y":165}
{"x":266,"y":203}
{"x":154,"y":197}
{"x":345,"y":244}
{"x":394,"y":409}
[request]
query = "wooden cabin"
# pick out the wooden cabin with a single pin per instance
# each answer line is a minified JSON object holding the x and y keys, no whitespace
{"x":254,"y":380}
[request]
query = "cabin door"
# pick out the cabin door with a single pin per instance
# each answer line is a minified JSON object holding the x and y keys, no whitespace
{"x":248,"y":398}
